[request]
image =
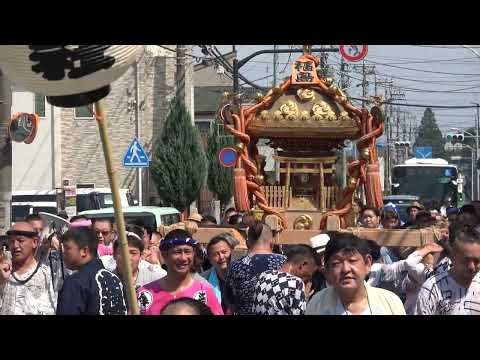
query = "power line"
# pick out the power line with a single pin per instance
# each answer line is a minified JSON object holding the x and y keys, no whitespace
{"x":429,"y":106}
{"x":229,"y":67}
{"x":418,"y":70}
{"x":439,"y":82}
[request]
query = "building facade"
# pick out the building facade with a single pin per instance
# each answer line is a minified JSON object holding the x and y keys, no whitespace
{"x":76,"y":149}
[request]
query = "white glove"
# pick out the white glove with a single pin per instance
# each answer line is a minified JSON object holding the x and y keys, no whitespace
{"x":417,"y":273}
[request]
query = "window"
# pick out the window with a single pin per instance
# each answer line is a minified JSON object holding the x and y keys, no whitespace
{"x":203,"y":127}
{"x":83,"y":113}
{"x":39,"y":105}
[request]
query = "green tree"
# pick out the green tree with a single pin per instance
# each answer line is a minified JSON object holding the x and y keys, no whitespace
{"x":430,"y":135}
{"x":179,"y":166}
{"x":220,"y":179}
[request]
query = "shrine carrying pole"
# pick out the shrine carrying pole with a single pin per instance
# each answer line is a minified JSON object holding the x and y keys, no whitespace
{"x":101,"y":117}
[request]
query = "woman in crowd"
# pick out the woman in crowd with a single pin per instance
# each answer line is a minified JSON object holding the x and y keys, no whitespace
{"x":219,"y":252}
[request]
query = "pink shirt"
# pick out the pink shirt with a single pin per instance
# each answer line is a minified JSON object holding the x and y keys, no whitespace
{"x":104,"y":250}
{"x":152,"y":298}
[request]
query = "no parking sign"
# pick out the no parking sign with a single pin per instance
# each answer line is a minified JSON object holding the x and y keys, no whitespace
{"x":228,"y":156}
{"x":353,"y":53}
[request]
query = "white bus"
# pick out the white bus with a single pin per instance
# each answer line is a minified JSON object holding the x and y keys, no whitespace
{"x":430,"y":180}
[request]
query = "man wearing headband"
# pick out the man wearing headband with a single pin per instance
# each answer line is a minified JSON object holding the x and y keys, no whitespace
{"x":178,"y":251}
{"x":25,"y":284}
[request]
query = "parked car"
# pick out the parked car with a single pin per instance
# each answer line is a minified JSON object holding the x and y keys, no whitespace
{"x":152,"y":216}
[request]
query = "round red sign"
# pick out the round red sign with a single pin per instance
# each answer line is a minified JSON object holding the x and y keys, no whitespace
{"x":353,"y":52}
{"x":227,"y":156}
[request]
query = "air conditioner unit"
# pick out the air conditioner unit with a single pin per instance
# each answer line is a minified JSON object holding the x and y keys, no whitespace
{"x":86,"y":186}
{"x":220,"y":70}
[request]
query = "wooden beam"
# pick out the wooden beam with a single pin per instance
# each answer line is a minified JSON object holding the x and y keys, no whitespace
{"x":307,"y":171}
{"x":404,"y":237}
{"x":327,"y":159}
{"x":322,"y":189}
{"x":287,"y":180}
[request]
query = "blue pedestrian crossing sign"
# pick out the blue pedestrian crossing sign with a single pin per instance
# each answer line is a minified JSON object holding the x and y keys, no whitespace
{"x":424,"y":152}
{"x":135,"y":156}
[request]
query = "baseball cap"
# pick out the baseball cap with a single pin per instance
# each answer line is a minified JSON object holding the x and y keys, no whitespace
{"x":319,"y":242}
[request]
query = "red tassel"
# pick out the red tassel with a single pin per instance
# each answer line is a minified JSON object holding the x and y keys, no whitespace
{"x":373,"y":188}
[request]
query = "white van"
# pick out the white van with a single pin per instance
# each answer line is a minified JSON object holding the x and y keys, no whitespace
{"x":25,"y":203}
{"x":100,"y":198}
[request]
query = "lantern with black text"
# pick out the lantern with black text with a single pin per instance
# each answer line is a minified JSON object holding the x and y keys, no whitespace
{"x":69,"y":75}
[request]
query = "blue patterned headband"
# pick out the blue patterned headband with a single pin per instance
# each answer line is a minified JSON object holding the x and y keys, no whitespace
{"x":168,"y":243}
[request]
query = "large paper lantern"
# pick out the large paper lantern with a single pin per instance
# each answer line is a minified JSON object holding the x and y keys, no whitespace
{"x":69,"y":75}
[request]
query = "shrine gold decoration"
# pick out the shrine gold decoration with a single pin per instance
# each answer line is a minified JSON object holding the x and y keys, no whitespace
{"x":366,"y":153}
{"x":288,"y":111}
{"x":303,"y":222}
{"x":305,"y":94}
{"x":305,"y":116}
{"x":264,"y":115}
{"x":323,"y":111}
{"x":343,"y":116}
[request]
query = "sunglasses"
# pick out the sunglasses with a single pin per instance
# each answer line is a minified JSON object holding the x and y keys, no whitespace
{"x":104,"y":233}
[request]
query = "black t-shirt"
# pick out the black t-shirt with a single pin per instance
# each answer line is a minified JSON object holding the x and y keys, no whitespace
{"x":92,"y":290}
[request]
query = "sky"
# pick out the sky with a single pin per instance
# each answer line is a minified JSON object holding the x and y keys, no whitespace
{"x":427,"y":74}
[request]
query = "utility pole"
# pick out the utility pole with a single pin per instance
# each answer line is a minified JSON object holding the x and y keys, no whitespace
{"x":275,"y":61}
{"x":137,"y":131}
{"x":180,"y":78}
{"x":477,"y":153}
{"x":5,"y":153}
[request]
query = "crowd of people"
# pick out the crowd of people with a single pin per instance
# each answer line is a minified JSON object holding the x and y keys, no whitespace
{"x":243,"y":271}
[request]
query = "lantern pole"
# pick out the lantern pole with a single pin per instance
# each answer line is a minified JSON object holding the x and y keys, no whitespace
{"x":5,"y":153}
{"x":117,"y":205}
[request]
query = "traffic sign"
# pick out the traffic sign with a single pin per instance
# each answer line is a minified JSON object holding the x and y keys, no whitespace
{"x":135,"y":155}
{"x":423,"y":152}
{"x":353,"y":53}
{"x":227,"y":156}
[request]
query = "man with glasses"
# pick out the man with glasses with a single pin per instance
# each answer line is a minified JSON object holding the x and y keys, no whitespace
{"x":104,"y":230}
{"x":25,"y":284}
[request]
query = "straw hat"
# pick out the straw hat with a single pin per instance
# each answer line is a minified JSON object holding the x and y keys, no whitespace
{"x":417,"y":205}
{"x":195,"y":217}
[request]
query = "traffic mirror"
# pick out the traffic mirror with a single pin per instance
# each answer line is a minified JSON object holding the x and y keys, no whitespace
{"x":23,"y":127}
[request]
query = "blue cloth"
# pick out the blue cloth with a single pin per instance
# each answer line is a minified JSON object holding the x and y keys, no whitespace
{"x":168,"y":243}
{"x":92,"y":290}
{"x":242,"y":277}
{"x":213,"y":280}
{"x":387,"y":255}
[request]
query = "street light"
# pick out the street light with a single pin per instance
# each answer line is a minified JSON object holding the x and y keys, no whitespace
{"x":477,"y":122}
{"x":449,"y":147}
{"x":473,"y":165}
{"x":459,"y":130}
